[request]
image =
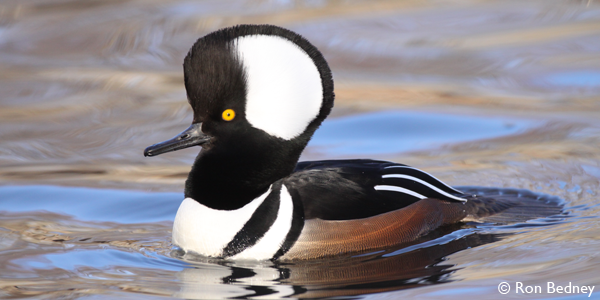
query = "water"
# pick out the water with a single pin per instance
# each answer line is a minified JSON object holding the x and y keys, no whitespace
{"x":391,"y":132}
{"x":496,"y":93}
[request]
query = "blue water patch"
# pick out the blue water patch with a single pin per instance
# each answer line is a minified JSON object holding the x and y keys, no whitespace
{"x":575,"y":79}
{"x":92,"y":204}
{"x":402,"y":131}
{"x":102,"y":259}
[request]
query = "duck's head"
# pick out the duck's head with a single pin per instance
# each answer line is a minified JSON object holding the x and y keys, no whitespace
{"x":251,"y":86}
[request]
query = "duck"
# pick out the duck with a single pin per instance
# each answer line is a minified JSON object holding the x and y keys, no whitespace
{"x":258,"y":94}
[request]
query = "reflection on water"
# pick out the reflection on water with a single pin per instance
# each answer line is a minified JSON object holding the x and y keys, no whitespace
{"x":99,"y":251}
{"x":342,"y":276}
{"x":403,"y":131}
{"x":505,"y":94}
{"x":92,"y":241}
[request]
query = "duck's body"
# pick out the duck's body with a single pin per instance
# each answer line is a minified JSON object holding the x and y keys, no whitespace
{"x":258,"y":95}
{"x":324,"y":208}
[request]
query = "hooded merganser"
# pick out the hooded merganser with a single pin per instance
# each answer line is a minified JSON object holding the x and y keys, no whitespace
{"x":258,"y":94}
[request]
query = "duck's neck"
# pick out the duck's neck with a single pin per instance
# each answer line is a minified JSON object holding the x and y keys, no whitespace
{"x":228,"y":180}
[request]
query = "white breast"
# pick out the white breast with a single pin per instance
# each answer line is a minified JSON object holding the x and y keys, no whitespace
{"x":207,"y":231}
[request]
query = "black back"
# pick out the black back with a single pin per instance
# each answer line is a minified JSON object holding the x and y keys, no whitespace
{"x":345,"y":189}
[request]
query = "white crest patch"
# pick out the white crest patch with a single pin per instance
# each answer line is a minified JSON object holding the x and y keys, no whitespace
{"x":284,"y":85}
{"x":270,"y":243}
{"x":207,"y":231}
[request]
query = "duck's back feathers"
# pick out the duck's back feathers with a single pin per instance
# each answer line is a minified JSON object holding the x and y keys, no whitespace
{"x":355,"y":189}
{"x":324,"y":238}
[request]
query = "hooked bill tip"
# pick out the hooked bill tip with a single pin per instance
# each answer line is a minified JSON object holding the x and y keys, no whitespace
{"x":148,"y":152}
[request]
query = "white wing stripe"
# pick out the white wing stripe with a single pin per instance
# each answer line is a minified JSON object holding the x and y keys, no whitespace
{"x":394,"y":188}
{"x":407,"y":167}
{"x":427,"y":184}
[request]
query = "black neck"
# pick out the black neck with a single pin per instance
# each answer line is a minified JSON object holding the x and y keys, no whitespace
{"x":230,"y":176}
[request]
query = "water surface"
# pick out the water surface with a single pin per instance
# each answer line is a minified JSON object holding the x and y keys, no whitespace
{"x":479,"y":93}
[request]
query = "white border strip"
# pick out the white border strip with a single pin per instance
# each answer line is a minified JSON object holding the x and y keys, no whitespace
{"x":427,"y":184}
{"x":393,"y":188}
{"x":407,"y":167}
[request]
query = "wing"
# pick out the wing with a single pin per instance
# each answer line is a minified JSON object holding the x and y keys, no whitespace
{"x":355,"y":189}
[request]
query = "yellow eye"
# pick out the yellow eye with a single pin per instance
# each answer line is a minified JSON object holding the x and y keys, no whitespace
{"x":228,"y":114}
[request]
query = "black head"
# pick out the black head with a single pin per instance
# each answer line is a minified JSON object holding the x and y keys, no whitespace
{"x":253,"y":79}
{"x":258,"y":93}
